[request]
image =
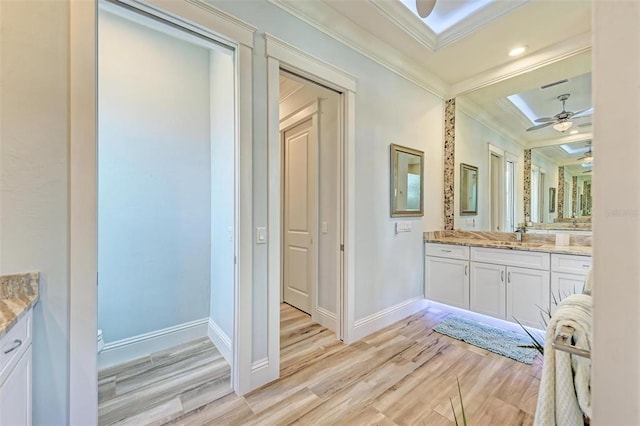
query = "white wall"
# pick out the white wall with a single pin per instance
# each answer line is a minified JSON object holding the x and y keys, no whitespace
{"x":472,"y":139}
{"x":222,"y":190}
{"x":154,"y":187}
{"x":550,"y":168}
{"x":616,"y":217}
{"x":34,"y":138}
{"x":328,"y":208}
{"x":389,"y":109}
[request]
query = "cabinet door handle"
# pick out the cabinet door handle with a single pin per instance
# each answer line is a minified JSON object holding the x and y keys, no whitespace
{"x":16,"y":344}
{"x":586,"y":266}
{"x":466,"y":270}
{"x":445,"y":251}
{"x":502,"y":276}
{"x":509,"y":277}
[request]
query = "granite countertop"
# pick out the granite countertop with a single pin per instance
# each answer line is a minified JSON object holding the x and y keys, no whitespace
{"x":579,"y":245}
{"x":561,"y":226}
{"x":18,"y":293}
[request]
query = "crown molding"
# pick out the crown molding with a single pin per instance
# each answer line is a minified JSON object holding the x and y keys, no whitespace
{"x":565,"y":49}
{"x":330,"y":22}
{"x":561,"y":140}
{"x":402,"y":17}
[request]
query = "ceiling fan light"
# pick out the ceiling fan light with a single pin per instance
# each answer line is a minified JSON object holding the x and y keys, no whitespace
{"x":563,"y":126}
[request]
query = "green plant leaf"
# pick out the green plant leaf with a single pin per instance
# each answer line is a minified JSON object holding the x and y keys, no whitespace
{"x":535,"y":342}
{"x":464,"y":416}
{"x":455,"y":418}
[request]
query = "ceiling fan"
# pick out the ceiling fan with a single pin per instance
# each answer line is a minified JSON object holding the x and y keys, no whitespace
{"x":562,"y":120}
{"x":588,"y":156}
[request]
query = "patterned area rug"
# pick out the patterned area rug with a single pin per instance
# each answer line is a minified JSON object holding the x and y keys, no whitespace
{"x":499,"y":341}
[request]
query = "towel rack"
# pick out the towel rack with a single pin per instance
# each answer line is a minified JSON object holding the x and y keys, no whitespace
{"x":562,"y":342}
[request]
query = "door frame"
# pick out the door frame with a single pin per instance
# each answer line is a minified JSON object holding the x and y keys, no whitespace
{"x":281,"y":55}
{"x":83,"y":304}
{"x":495,"y":151}
{"x":310,"y":111}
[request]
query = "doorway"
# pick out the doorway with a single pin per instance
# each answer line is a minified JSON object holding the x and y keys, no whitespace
{"x":496,"y":191}
{"x":167,"y":208}
{"x":309,"y":134}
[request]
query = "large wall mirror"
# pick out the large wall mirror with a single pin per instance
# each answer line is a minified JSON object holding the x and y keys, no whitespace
{"x":494,"y":127}
{"x":468,"y":190}
{"x":407,"y":177}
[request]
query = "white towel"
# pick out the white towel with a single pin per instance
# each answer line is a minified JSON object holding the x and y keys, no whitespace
{"x":565,"y":386}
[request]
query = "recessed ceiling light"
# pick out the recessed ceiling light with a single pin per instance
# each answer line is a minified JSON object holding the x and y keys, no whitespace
{"x":517,"y":51}
{"x":573,"y":132}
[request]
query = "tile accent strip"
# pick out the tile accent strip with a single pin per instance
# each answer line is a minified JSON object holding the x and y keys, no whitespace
{"x":560,"y":192}
{"x":574,"y":196}
{"x":449,"y":162}
{"x":527,"y":185}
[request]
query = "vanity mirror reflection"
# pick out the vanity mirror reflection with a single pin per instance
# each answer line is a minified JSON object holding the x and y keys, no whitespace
{"x":468,"y":190}
{"x":515,"y":130}
{"x":407,"y":177}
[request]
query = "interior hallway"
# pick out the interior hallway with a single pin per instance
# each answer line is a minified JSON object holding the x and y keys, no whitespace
{"x":403,"y":374}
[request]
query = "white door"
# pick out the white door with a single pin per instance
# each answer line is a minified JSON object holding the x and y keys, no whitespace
{"x":447,"y":281}
{"x":488,"y":289}
{"x":527,"y":295}
{"x":300,"y":214}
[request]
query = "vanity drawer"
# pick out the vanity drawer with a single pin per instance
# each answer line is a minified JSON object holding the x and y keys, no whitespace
{"x":510,"y":257}
{"x":14,"y":344}
{"x":571,"y":263}
{"x":450,"y":251}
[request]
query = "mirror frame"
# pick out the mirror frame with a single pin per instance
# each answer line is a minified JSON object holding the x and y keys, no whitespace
{"x":473,"y":212}
{"x":394,"y":151}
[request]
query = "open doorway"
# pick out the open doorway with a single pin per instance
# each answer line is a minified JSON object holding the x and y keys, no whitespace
{"x":310,"y":142}
{"x":167,"y":213}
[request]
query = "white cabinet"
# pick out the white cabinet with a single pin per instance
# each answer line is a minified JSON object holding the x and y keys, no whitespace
{"x":488,"y":289}
{"x":568,"y":275}
{"x":509,"y":293}
{"x":527,"y":295}
{"x":510,"y":284}
{"x":15,"y":374}
{"x":447,"y":274}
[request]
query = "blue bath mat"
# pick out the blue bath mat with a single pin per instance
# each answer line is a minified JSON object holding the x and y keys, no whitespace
{"x":499,"y":341}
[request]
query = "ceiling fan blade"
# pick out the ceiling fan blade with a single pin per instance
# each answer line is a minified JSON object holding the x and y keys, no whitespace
{"x":583,"y":113}
{"x":540,"y":126}
{"x":545,"y":119}
{"x":424,"y":7}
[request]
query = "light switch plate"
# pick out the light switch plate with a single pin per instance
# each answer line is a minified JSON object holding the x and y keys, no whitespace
{"x":403,"y":226}
{"x":261,"y":235}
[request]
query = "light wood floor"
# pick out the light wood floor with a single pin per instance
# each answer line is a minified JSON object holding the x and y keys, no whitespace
{"x":404,"y":375}
{"x":162,"y":386}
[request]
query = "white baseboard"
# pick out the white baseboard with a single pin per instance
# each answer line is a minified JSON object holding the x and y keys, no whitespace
{"x":128,"y":349}
{"x":374,"y":322}
{"x":221,"y":341}
{"x":325,"y":318}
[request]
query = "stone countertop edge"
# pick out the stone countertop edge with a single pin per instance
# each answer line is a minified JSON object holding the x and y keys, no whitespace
{"x":545,"y":248}
{"x":18,"y":293}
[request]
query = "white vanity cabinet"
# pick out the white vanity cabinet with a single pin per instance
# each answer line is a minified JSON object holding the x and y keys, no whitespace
{"x":15,"y":374}
{"x":510,"y":284}
{"x":447,"y":274}
{"x":568,"y":275}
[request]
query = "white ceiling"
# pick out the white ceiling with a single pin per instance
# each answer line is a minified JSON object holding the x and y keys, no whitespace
{"x":468,"y":59}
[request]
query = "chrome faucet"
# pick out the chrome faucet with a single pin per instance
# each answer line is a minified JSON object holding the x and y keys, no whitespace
{"x":519,"y":231}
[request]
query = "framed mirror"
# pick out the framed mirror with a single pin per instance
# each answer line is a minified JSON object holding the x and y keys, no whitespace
{"x":468,"y":190}
{"x":407,"y":176}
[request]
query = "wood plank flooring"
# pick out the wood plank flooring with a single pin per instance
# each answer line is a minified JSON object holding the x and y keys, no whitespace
{"x":163,"y":386}
{"x":401,"y":375}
